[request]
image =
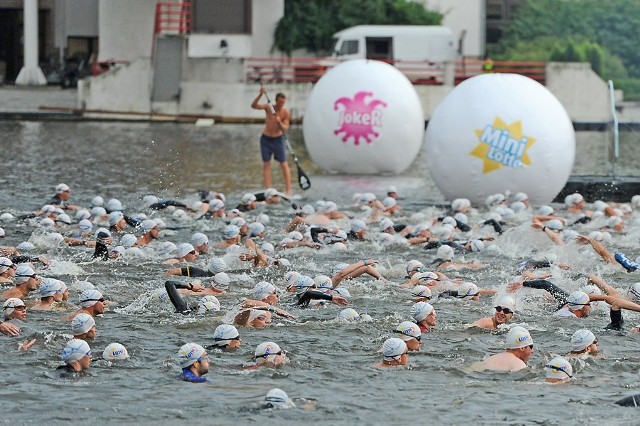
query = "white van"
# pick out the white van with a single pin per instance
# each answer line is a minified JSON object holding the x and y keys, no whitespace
{"x":427,"y":43}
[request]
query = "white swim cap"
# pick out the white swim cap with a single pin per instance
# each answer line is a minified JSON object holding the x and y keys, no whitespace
{"x":255,"y":229}
{"x":224,"y":334}
{"x":82,"y":323}
{"x":518,"y":337}
{"x":221,"y":281}
{"x":98,"y":211}
{"x":89,"y":297}
{"x":216,"y":205}
{"x":75,"y":350}
{"x":393,"y":348}
{"x":545,"y":210}
{"x":419,"y":311}
{"x":291,"y":277}
{"x":468,"y":290}
{"x":10,"y":305}
{"x":64,"y":218}
{"x":61,"y":187}
{"x":189,"y":353}
{"x":349,"y":315}
{"x":46,"y":222}
{"x":267,"y":248}
{"x":97,"y":201}
{"x":408,"y":330}
{"x":577,"y":300}
{"x":343,"y":292}
{"x":582,"y":339}
{"x":554,"y":224}
{"x":389,"y":202}
{"x":23,"y":273}
{"x":115,"y":217}
{"x":216,"y":265}
{"x":358,"y":225}
{"x":385,"y":224}
{"x":184,"y":249}
{"x":518,"y":206}
{"x":113,"y":205}
{"x":128,"y":240}
{"x":304,"y":283}
{"x":167,"y":248}
{"x":85,"y":225}
{"x":506,"y":302}
{"x":263,"y":289}
{"x":230,"y":231}
{"x":558,"y":368}
{"x":277,"y":398}
{"x":263,"y":219}
{"x":5,"y":263}
{"x":248,"y":198}
{"x":323,"y":281}
{"x":477,"y":245}
{"x":266,"y":349}
{"x":49,"y":287}
{"x":413,"y":265}
{"x":421,"y":291}
{"x":295,"y":235}
{"x":115,"y":351}
{"x":209,"y":304}
{"x":573,"y":199}
{"x":445,"y":252}
{"x":591,"y":289}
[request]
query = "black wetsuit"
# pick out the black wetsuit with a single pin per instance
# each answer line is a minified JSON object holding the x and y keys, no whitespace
{"x":192,"y":271}
{"x":163,"y":204}
{"x":178,"y":302}
{"x":617,"y":321}
{"x":309,"y":295}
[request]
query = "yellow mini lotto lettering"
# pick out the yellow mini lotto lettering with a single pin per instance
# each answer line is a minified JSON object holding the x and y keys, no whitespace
{"x":501,"y":145}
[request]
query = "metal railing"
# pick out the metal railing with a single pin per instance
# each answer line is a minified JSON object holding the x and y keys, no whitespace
{"x":309,"y":70}
{"x":173,"y":18}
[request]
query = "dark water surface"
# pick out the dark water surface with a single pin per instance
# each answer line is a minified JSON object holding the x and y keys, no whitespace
{"x":331,"y":361}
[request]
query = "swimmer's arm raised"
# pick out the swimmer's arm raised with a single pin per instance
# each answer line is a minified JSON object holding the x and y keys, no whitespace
{"x":599,"y":248}
{"x":559,"y":294}
{"x":602,"y":285}
{"x":616,"y":303}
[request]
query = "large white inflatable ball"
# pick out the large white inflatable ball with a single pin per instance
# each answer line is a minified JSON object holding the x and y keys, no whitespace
{"x":500,"y":132}
{"x":363,"y":117}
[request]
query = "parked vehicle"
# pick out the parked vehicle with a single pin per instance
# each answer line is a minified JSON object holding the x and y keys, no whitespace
{"x":395,"y":43}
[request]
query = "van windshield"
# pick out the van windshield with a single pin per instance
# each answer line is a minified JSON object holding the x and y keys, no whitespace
{"x":348,"y":47}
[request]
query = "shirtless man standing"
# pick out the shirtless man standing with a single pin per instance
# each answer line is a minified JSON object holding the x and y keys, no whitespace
{"x":272,"y":141}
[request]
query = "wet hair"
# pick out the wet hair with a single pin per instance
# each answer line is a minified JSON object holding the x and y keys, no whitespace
{"x":280,"y":95}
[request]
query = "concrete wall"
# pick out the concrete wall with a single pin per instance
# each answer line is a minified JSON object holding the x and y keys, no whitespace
{"x":265,"y":15}
{"x":581,"y":91}
{"x":460,"y":15}
{"x":125,"y":88}
{"x":126,"y":29}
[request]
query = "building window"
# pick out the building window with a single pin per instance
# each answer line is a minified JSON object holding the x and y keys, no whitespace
{"x":495,"y":10}
{"x":222,"y":16}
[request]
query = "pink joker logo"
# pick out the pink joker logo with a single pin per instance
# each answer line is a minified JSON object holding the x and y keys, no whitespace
{"x":358,"y":119}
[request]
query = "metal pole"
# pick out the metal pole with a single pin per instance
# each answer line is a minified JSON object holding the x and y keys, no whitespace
{"x":616,"y":134}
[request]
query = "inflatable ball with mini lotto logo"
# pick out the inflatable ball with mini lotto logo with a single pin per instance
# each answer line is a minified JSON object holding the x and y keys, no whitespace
{"x":500,"y":132}
{"x":363,"y":117}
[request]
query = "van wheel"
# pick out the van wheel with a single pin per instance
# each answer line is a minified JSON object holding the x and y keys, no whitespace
{"x":66,"y":82}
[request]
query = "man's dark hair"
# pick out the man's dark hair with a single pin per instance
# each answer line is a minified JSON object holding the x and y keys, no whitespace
{"x":280,"y":95}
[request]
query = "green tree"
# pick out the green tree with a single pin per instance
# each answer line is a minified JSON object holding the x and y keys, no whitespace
{"x":310,"y":24}
{"x":612,"y":24}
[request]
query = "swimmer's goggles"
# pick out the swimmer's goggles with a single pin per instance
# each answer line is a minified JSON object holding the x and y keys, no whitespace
{"x":553,"y":367}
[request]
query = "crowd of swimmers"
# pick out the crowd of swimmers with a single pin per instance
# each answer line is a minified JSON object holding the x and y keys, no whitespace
{"x":200,"y":270}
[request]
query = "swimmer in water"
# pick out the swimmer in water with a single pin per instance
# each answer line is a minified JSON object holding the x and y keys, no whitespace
{"x":7,"y":270}
{"x":194,"y":362}
{"x":558,"y":370}
{"x":83,"y":327}
{"x":51,"y":292}
{"x":424,"y":315}
{"x":77,"y":358}
{"x":394,"y":352}
{"x":519,"y":350}
{"x":92,"y":302}
{"x":505,"y":308}
{"x":25,"y":281}
{"x":269,"y":355}
{"x":583,"y":343}
{"x":226,"y":338}
{"x":410,"y":333}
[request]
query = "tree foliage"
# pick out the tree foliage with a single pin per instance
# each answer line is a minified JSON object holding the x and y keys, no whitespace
{"x":612,"y":25}
{"x":310,"y":24}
